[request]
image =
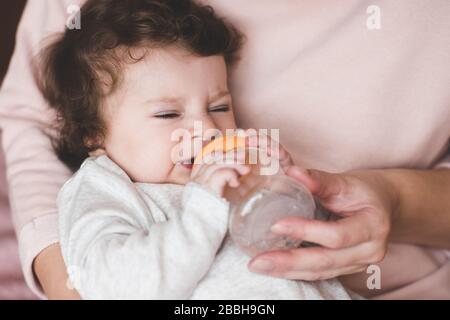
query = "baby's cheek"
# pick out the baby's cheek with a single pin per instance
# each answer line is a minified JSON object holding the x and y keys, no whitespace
{"x":147,"y":172}
{"x":157,"y":163}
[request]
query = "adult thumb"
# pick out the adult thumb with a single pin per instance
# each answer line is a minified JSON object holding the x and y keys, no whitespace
{"x":321,"y":184}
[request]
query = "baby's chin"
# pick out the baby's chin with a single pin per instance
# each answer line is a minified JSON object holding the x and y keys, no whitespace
{"x":181,"y":174}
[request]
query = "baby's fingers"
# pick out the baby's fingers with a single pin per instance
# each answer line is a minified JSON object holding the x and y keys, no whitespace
{"x":242,"y":169}
{"x":204,"y":173}
{"x":271,"y":147}
{"x":226,"y":175}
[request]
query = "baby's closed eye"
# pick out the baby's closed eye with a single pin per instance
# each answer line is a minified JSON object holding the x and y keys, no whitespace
{"x":221,"y":108}
{"x":167,"y":115}
{"x":174,"y":114}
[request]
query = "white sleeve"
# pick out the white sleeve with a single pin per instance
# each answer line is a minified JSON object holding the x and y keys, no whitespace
{"x":112,"y":253}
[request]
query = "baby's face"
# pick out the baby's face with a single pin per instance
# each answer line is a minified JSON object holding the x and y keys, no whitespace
{"x":167,"y":91}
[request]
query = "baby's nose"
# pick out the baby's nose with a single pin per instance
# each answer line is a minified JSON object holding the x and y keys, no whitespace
{"x":209,"y":136}
{"x":207,"y":140}
{"x":200,"y":142}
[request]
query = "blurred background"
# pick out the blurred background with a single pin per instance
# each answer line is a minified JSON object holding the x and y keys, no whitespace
{"x":10,"y":13}
{"x":12,"y":285}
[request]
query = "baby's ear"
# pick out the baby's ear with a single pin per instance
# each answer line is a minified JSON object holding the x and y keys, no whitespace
{"x":94,"y":143}
{"x":98,"y":152}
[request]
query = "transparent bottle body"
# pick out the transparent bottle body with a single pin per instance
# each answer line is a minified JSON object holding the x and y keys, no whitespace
{"x":262,"y":200}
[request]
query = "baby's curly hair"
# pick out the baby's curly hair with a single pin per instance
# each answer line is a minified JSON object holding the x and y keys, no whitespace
{"x":73,"y":69}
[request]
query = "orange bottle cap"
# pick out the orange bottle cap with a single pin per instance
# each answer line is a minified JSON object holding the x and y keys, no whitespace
{"x":224,"y":144}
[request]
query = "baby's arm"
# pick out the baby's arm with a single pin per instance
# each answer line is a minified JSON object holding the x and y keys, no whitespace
{"x":113,"y":251}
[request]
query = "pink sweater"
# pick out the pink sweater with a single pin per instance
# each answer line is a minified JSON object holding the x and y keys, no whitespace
{"x":344,"y":97}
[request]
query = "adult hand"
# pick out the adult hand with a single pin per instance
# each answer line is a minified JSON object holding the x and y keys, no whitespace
{"x":364,"y":203}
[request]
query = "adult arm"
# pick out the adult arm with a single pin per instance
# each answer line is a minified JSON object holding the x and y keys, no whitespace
{"x":34,"y":173}
{"x":50,"y":269}
{"x":423,"y":206}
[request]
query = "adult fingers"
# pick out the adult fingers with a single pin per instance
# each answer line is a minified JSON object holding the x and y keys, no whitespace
{"x":314,"y":263}
{"x":326,"y":186}
{"x":328,"y":274}
{"x":345,"y":232}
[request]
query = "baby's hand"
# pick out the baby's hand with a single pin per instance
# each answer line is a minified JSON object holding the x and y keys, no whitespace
{"x":221,"y":170}
{"x":272,"y":148}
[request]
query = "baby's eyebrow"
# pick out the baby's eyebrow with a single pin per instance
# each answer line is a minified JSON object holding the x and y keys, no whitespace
{"x":169,"y":100}
{"x":174,"y":100}
{"x":219,"y":95}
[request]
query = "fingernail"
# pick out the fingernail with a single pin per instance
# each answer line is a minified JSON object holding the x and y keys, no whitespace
{"x":281,"y":228}
{"x":262,"y":265}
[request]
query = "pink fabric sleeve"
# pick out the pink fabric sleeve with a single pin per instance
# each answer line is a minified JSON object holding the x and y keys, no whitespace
{"x":34,"y":173}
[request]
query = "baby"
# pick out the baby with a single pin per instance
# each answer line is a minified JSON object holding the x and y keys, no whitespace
{"x":135,"y":220}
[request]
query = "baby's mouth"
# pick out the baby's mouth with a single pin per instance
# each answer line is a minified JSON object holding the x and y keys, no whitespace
{"x":188,"y":164}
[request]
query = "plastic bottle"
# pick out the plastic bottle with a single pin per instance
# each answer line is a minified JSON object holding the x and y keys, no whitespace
{"x":261,"y":200}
